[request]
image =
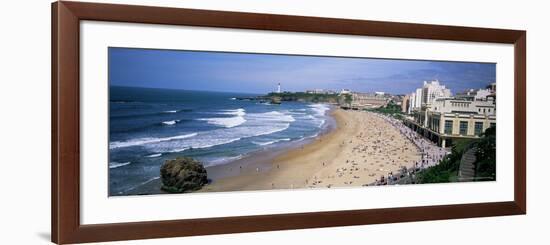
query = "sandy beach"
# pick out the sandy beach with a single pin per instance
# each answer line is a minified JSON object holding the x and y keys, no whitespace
{"x":362,"y":148}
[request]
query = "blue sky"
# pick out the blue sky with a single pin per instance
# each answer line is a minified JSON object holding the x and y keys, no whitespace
{"x":260,"y":73}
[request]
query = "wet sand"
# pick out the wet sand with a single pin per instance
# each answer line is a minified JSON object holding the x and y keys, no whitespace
{"x":362,"y":148}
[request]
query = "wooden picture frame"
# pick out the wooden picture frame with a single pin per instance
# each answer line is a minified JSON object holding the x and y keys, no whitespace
{"x":66,"y":226}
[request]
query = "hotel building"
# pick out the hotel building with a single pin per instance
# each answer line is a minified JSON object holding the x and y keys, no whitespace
{"x":443,"y":118}
{"x":362,"y":101}
{"x":405,"y":103}
{"x":433,"y":90}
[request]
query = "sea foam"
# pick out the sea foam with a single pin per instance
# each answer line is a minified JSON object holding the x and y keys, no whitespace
{"x":217,"y":137}
{"x":154,"y":155}
{"x":140,"y":184}
{"x":227,"y":122}
{"x":270,"y":142}
{"x":170,"y":122}
{"x":206,"y":141}
{"x":258,"y":124}
{"x":237,"y":112}
{"x":222,"y":160}
{"x":319,"y":109}
{"x":273,"y":116}
{"x":145,"y":141}
{"x":118,"y":164}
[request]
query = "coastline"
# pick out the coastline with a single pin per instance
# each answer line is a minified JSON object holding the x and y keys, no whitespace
{"x":362,"y":148}
{"x":260,"y":159}
{"x":355,"y":149}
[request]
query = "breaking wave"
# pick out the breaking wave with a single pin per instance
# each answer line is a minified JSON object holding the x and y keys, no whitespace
{"x":227,"y":122}
{"x":270,"y":142}
{"x":118,"y":164}
{"x":319,"y":109}
{"x":153,"y":155}
{"x":145,"y":141}
{"x":172,"y":122}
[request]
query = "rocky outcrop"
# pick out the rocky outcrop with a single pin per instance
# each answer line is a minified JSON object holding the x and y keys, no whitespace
{"x":183,"y":174}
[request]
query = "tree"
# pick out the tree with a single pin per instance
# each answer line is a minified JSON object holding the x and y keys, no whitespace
{"x":447,"y":169}
{"x":486,"y":155}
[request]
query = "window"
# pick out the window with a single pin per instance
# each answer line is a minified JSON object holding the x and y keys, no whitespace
{"x":493,"y":125}
{"x":463,"y":128}
{"x":435,"y":125}
{"x":448,"y":127}
{"x":478,"y":128}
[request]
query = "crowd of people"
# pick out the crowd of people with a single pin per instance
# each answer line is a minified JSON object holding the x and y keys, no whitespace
{"x":431,"y":154}
{"x":365,"y":147}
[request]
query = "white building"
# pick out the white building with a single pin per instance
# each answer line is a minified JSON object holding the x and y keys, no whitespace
{"x":368,"y":100}
{"x":433,"y":90}
{"x":279,"y":88}
{"x":345,"y":91}
{"x":320,"y":91}
{"x":415,"y":100}
{"x":412,"y":100}
{"x":472,"y":94}
{"x":482,"y":94}
{"x":448,"y":119}
{"x":479,"y":107}
{"x":419,"y":99}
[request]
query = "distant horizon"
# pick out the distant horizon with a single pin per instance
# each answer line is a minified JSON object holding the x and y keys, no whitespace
{"x":238,"y":92}
{"x":260,"y":73}
{"x":197,"y":90}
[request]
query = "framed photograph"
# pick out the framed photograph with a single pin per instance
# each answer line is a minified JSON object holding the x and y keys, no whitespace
{"x":177,"y":122}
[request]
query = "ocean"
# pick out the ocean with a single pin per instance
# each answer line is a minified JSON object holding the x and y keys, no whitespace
{"x":148,"y":126}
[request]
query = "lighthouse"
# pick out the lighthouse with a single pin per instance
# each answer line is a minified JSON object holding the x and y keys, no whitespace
{"x":279,"y":88}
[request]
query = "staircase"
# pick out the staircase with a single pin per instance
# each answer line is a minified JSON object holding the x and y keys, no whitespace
{"x":466,"y":171}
